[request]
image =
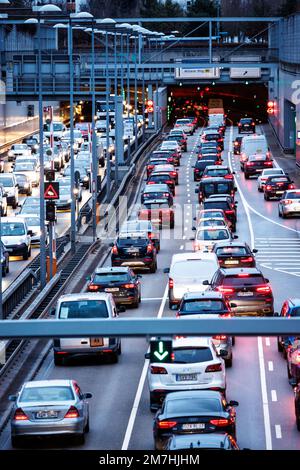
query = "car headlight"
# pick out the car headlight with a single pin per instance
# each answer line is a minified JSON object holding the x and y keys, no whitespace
{"x":11,"y":192}
{"x":10,"y":153}
{"x":69,"y":201}
{"x":26,"y":185}
{"x":36,"y":146}
{"x":86,"y":178}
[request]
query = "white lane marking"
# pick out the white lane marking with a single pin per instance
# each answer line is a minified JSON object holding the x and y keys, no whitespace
{"x":139,"y":391}
{"x":185,"y":229}
{"x":270,"y":366}
{"x":263,"y":381}
{"x":181,"y":247}
{"x":268,"y":342}
{"x":184,"y":237}
{"x":274,"y":395}
{"x":278,"y":431}
{"x":189,"y":201}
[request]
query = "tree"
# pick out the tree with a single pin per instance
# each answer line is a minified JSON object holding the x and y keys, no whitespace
{"x":202,"y":8}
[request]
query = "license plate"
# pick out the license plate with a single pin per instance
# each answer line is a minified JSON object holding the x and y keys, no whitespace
{"x":94,"y":342}
{"x":190,"y":427}
{"x":133,"y":250}
{"x":112,"y":289}
{"x":279,"y":192}
{"x":259,"y":170}
{"x":232,"y":261}
{"x":245,"y":294}
{"x":186,"y":377}
{"x":46,"y":414}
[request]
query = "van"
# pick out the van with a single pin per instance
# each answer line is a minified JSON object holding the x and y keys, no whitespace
{"x":16,"y":236}
{"x":187,"y":272}
{"x":254,"y":144}
{"x":85,"y":306}
{"x":10,"y":186}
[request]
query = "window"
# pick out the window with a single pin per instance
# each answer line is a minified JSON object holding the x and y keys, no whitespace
{"x":202,"y":306}
{"x":110,"y":277}
{"x":192,"y":405}
{"x":46,"y":394}
{"x":191,"y":355}
{"x":12,"y":229}
{"x":252,"y":280}
{"x":83,"y":309}
{"x":231,"y":251}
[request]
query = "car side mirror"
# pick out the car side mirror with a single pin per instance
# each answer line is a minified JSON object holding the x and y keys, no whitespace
{"x":166,"y":270}
{"x":206,"y":283}
{"x":52,"y":311}
{"x":87,"y":395}
{"x":254,"y":250}
{"x":223,"y":353}
{"x":147,"y":355}
{"x":192,"y":239}
{"x":235,"y":237}
{"x":233,"y":403}
{"x":12,"y":397}
{"x":121,"y":308}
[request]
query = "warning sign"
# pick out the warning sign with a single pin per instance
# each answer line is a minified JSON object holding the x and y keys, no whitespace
{"x":51,"y":190}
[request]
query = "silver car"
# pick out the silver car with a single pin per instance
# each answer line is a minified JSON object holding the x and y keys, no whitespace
{"x":49,"y":408}
{"x":289,"y":204}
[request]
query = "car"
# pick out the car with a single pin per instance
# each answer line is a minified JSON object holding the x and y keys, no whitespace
{"x":195,"y":365}
{"x":187,"y":272}
{"x":214,"y":186}
{"x":121,"y":282}
{"x":255,"y":164}
{"x":84,"y":306}
{"x":235,"y":255}
{"x":4,"y":260}
{"x":194,"y":442}
{"x":24,"y":183}
{"x":157,"y":191}
{"x":15,"y":236}
{"x":200,"y":166}
{"x":194,"y":411}
{"x":290,"y":309}
{"x":262,"y":178}
{"x":9,"y":184}
{"x":237,"y":145}
{"x":78,"y":139}
{"x":142,"y":226}
{"x":207,"y":236}
{"x":162,"y":177}
{"x":30,"y":169}
{"x":171,"y":145}
{"x":134,"y":250}
{"x":64,"y":202}
{"x":209,"y":304}
{"x":18,"y":149}
{"x":214,"y":136}
{"x":3,"y":202}
{"x":211,"y":154}
{"x":246,"y":125}
{"x":247,"y":288}
{"x":166,"y":168}
{"x":275,"y":186}
{"x":225,"y":203}
{"x":33,"y":224}
{"x":65,"y":181}
{"x":82,"y":175}
{"x":53,"y":408}
{"x":178,"y":137}
{"x":172,"y":156}
{"x":212,"y":214}
{"x":56,"y":157}
{"x":64,"y":147}
{"x":210,"y":146}
{"x":255,"y":144}
{"x":293,"y":359}
{"x":221,"y":171}
{"x":84,"y":128}
{"x":182,"y":137}
{"x":185,"y":124}
{"x":158,"y":211}
{"x":32,"y":142}
{"x":289,"y":204}
{"x":154,"y":161}
{"x":211,"y":222}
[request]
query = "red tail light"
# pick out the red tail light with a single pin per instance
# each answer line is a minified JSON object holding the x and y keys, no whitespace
{"x":171,"y":283}
{"x":220,"y":337}
{"x":158,"y":370}
{"x":166,"y":424}
{"x":220,"y":422}
{"x":229,"y":212}
{"x":291,"y":186}
{"x":252,"y":123}
{"x":169,"y":182}
{"x":268,"y":163}
{"x":20,"y":415}
{"x":173,"y":173}
{"x":114,"y":250}
{"x":250,"y":163}
{"x":214,"y":367}
{"x":196,"y":170}
{"x":225,"y":290}
{"x":247,"y":260}
{"x":228,"y":177}
{"x":72,"y":413}
{"x":151,"y":182}
{"x":150,"y":167}
{"x":150,"y":248}
{"x":268,"y":187}
{"x":264,"y":290}
{"x":129,"y":286}
{"x":169,"y":160}
{"x":93,"y":287}
{"x":236,"y":144}
{"x":239,"y":124}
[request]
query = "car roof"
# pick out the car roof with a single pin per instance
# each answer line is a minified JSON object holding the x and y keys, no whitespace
{"x":193,"y":394}
{"x":85,"y":296}
{"x":112,"y":269}
{"x":48,"y":383}
{"x":156,"y":187}
{"x":207,"y":294}
{"x":218,"y":199}
{"x":197,"y":255}
{"x":233,"y":243}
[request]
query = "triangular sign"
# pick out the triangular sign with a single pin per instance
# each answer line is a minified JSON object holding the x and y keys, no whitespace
{"x":51,"y":192}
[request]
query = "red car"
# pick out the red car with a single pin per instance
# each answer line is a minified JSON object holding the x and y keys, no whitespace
{"x":158,"y":212}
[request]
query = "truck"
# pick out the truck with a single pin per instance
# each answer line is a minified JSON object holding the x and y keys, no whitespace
{"x":216,"y":115}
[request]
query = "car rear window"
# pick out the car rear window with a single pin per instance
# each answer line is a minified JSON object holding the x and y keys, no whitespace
{"x":294,"y":195}
{"x":110,"y":277}
{"x":215,"y":188}
{"x":139,"y":241}
{"x":246,"y":120}
{"x":202,"y":306}
{"x":193,"y":405}
{"x":254,"y":279}
{"x":257,"y":158}
{"x":83,"y":309}
{"x":213,"y":235}
{"x":231,"y":251}
{"x":156,"y":205}
{"x":46,"y":394}
{"x":191,"y":355}
{"x":281,"y":179}
{"x":211,"y":214}
{"x":212,"y":136}
{"x":216,"y":205}
{"x":193,"y":267}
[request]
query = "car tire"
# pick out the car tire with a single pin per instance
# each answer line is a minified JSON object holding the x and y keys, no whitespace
{"x":14,"y":205}
{"x":246,"y":176}
{"x":233,"y":340}
{"x":26,"y":255}
{"x":114,"y":357}
{"x":4,"y":271}
{"x":279,"y":346}
{"x":16,"y":441}
{"x":259,"y":189}
{"x":153,"y":268}
{"x":284,"y":216}
{"x":279,"y":213}
{"x":7,"y":267}
{"x":58,"y":360}
{"x":135,"y":304}
{"x":87,"y":426}
{"x":266,"y":198}
{"x":228,"y":362}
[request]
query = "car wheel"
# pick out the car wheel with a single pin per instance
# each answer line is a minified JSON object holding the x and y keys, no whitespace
{"x":279,"y":346}
{"x":233,"y":340}
{"x":16,"y":441}
{"x":26,"y":255}
{"x":7,"y":267}
{"x":153,"y":267}
{"x":135,"y":304}
{"x":15,"y":205}
{"x":259,"y":189}
{"x":279,"y":213}
{"x":246,"y":176}
{"x":266,"y":197}
{"x":87,"y":426}
{"x":284,"y":216}
{"x":228,"y":362}
{"x":288,"y":371}
{"x":58,"y":360}
{"x":4,"y":271}
{"x":114,"y":357}
{"x":120,"y":349}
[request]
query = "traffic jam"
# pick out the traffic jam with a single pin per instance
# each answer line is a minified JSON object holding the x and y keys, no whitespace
{"x":212,"y":273}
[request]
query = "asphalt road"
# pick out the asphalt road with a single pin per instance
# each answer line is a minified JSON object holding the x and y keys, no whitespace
{"x":120,"y":416}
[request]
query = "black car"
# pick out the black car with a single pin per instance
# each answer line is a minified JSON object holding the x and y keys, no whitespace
{"x":255,"y":164}
{"x":137,"y":252}
{"x":121,"y":282}
{"x":276,"y":185}
{"x":193,"y":412}
{"x":168,"y":154}
{"x":211,"y":186}
{"x":4,"y":260}
{"x":200,"y":166}
{"x":210,"y":146}
{"x":157,"y":161}
{"x":213,"y":136}
{"x":162,"y":178}
{"x":195,"y":442}
{"x":246,"y":125}
{"x":237,"y":145}
{"x":246,"y":288}
{"x":235,"y":255}
{"x":226,"y":204}
{"x":179,"y":138}
{"x":157,"y":191}
{"x":289,"y":309}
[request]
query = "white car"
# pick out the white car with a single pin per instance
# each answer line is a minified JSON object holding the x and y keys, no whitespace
{"x":289,"y":204}
{"x":16,"y":236}
{"x":9,"y":183}
{"x":261,"y":180}
{"x":195,"y":365}
{"x":171,"y":145}
{"x":207,"y":237}
{"x":18,"y":149}
{"x":33,"y":224}
{"x":186,"y":125}
{"x":187,"y":273}
{"x":58,"y":130}
{"x":214,"y":221}
{"x":30,"y":169}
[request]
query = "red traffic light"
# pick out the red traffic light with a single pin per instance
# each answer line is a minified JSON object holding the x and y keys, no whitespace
{"x":271,"y":104}
{"x":150,"y":103}
{"x":270,"y":111}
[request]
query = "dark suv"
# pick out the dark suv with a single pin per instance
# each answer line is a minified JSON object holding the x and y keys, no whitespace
{"x":246,"y":288}
{"x":234,"y":255}
{"x":225,"y":203}
{"x":246,"y":125}
{"x":210,"y":186}
{"x":137,"y":252}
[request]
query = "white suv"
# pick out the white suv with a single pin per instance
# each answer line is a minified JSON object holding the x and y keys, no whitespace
{"x":195,"y":365}
{"x":10,"y":186}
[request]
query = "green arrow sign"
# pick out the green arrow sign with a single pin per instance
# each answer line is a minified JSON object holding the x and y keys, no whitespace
{"x":161,"y":354}
{"x":160,"y":350}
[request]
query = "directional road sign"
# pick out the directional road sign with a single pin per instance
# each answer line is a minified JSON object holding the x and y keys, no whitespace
{"x":161,"y":350}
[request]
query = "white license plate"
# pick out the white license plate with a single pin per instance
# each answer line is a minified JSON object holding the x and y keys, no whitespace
{"x":95,"y":342}
{"x":186,"y":377}
{"x":245,"y":294}
{"x":133,"y":250}
{"x":46,"y":414}
{"x":259,"y":170}
{"x":279,"y":192}
{"x":112,"y":289}
{"x":233,"y":261}
{"x":190,"y":427}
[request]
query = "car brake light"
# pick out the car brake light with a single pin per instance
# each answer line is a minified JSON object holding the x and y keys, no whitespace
{"x":93,"y":287}
{"x":166,"y":424}
{"x":129,"y":286}
{"x":247,"y":260}
{"x":243,"y":275}
{"x":225,"y":290}
{"x":220,"y":422}
{"x":158,"y":370}
{"x":214,"y":367}
{"x":268,"y":163}
{"x":252,"y":123}
{"x":20,"y":415}
{"x":169,"y":182}
{"x":291,"y":186}
{"x":114,"y":250}
{"x":150,"y":248}
{"x":228,"y":177}
{"x":250,"y":163}
{"x":268,"y":187}
{"x":72,"y":412}
{"x":171,"y":283}
{"x":150,"y":167}
{"x":264,"y":289}
{"x":173,"y":173}
{"x":229,"y":212}
{"x":236,"y":144}
{"x":239,"y":124}
{"x":220,"y":337}
{"x":151,"y":182}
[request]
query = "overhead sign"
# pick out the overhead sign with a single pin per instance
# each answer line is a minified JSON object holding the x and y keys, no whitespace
{"x":161,"y":350}
{"x":51,"y":191}
{"x":196,"y":72}
{"x":242,"y":72}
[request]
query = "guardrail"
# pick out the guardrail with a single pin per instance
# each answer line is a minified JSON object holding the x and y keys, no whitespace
{"x":18,"y":290}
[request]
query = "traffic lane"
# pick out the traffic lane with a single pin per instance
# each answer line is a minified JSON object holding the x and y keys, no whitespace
{"x":105,"y":381}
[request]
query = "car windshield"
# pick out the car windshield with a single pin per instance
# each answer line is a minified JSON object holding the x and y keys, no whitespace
{"x":6,"y":182}
{"x":212,"y":136}
{"x":12,"y":228}
{"x":213,"y":222}
{"x":46,"y":394}
{"x":213,"y":235}
{"x":33,"y":221}
{"x":65,"y":190}
{"x":20,"y":147}
{"x":110,"y":277}
{"x":191,"y":355}
{"x":231,"y":251}
{"x":202,"y":306}
{"x":295,"y":312}
{"x":21,"y":179}
{"x":193,"y":405}
{"x":24,"y":167}
{"x":253,"y":279}
{"x":215,"y":188}
{"x":83,"y":309}
{"x":211,"y":214}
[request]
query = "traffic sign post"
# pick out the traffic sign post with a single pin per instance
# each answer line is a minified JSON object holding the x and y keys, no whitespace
{"x":51,"y":191}
{"x":161,"y":350}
